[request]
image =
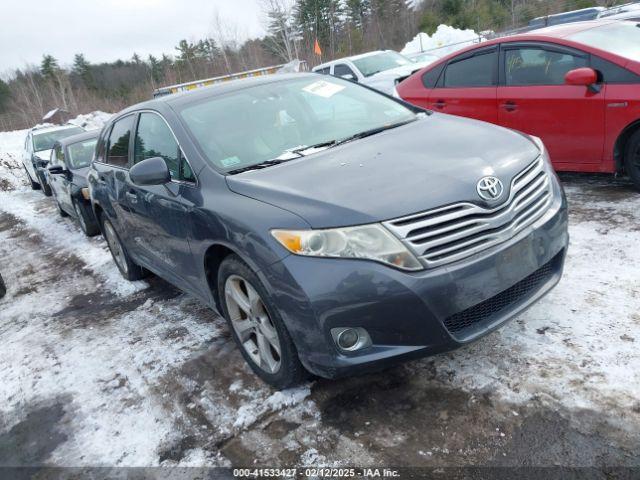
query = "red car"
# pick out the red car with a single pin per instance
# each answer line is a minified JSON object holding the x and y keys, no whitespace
{"x":576,"y":86}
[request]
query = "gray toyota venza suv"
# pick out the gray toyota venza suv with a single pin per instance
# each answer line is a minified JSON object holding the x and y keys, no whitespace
{"x":336,"y":229}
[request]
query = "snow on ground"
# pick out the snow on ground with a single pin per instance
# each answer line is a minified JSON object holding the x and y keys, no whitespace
{"x":444,"y":41}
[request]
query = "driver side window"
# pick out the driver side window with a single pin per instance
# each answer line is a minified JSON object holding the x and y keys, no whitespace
{"x":154,"y":138}
{"x":538,"y":66}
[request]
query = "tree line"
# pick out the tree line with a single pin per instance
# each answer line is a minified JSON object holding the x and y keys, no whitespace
{"x":341,"y":27}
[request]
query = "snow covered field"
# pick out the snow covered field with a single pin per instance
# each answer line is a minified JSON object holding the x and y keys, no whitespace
{"x":98,"y":371}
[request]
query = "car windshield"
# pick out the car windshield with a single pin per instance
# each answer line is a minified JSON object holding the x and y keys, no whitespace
{"x":380,"y":62}
{"x":620,"y":38}
{"x":45,"y":140}
{"x":81,"y":153}
{"x":256,"y":124}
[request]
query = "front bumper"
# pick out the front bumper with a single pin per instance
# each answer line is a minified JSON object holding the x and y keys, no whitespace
{"x":410,"y":315}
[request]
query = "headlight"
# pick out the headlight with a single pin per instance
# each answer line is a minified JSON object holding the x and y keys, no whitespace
{"x":372,"y":242}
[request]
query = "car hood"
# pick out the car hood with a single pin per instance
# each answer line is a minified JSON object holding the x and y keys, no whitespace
{"x":43,"y":154}
{"x":431,"y":162}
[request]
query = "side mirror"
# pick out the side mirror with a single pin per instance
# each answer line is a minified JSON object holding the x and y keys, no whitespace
{"x":349,"y":76}
{"x":152,"y":171}
{"x":56,"y":170}
{"x":586,"y":77}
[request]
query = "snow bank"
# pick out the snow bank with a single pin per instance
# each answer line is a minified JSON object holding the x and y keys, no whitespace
{"x":91,"y":121}
{"x":445,"y":40}
{"x":12,"y":174}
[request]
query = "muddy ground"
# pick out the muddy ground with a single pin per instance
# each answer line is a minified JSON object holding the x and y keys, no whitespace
{"x":98,"y":375}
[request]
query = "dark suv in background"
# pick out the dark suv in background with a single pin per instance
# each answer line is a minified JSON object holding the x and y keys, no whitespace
{"x":335,"y":228}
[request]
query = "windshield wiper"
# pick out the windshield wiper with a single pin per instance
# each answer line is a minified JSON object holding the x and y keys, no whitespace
{"x":258,"y":166}
{"x":373,"y":131}
{"x":328,"y":143}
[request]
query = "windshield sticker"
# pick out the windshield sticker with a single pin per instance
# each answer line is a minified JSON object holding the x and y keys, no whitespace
{"x":323,"y":88}
{"x":230,"y":161}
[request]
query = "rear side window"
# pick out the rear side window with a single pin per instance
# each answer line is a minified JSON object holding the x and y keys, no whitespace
{"x":476,"y":71}
{"x":538,"y":66}
{"x":118,"y":144}
{"x":430,"y":78}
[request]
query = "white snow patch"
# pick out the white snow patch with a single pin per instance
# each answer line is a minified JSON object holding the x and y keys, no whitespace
{"x":92,"y":121}
{"x":38,"y":213}
{"x":444,"y":41}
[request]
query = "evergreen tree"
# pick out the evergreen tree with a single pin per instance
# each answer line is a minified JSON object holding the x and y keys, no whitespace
{"x":82,"y":69}
{"x":49,"y":66}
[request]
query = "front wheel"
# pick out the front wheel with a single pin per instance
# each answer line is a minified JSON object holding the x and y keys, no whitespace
{"x":128,"y":268}
{"x":34,"y":185}
{"x":85,"y":219}
{"x":632,"y":159}
{"x":256,"y":325}
{"x":46,"y":188}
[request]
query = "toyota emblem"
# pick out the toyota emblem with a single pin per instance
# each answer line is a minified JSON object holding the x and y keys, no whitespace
{"x":489,"y":188}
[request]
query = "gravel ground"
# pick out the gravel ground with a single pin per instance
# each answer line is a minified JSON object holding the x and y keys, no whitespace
{"x":96,"y":371}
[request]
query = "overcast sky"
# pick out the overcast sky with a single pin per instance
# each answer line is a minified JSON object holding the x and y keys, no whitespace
{"x":106,"y":30}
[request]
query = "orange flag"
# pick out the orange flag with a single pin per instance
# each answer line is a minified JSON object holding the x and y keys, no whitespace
{"x":316,"y":48}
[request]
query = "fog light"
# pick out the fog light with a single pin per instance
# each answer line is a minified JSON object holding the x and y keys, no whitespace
{"x":351,"y":339}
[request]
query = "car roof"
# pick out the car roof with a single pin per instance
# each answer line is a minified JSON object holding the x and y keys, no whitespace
{"x":51,"y":128}
{"x":540,"y":35}
{"x":177,"y":100}
{"x":80,"y":137}
{"x":352,"y":57}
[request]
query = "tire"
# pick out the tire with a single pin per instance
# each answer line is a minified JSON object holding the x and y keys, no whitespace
{"x":46,"y":188}
{"x":34,"y":185}
{"x":61,"y":211}
{"x":262,"y":328}
{"x":3,"y":288}
{"x":86,"y":220}
{"x":632,"y":159}
{"x":128,"y":268}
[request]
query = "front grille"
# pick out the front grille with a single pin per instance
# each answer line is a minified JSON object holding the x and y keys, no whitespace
{"x":487,"y":309}
{"x":451,"y":233}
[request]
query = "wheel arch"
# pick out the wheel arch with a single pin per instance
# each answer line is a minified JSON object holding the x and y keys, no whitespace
{"x":213,"y":257}
{"x":619,"y":148}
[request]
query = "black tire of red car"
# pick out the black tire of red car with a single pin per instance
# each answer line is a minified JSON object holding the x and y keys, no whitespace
{"x":86,"y":220}
{"x":129,"y":269}
{"x":632,"y":159}
{"x":34,"y":185}
{"x":291,"y":371}
{"x":3,"y":287}
{"x":46,"y":188}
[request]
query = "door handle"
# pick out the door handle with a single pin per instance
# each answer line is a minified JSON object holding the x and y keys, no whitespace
{"x":510,"y":105}
{"x":132,"y":196}
{"x":440,"y":104}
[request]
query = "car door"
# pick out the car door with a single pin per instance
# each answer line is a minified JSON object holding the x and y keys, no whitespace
{"x":467,"y":86}
{"x":160,"y":224}
{"x":112,"y":171}
{"x":27,"y":155}
{"x":60,"y":183}
{"x":533,"y":98}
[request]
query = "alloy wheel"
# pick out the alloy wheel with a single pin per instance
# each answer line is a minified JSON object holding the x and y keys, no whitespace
{"x":252,"y":324}
{"x":114,"y":246}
